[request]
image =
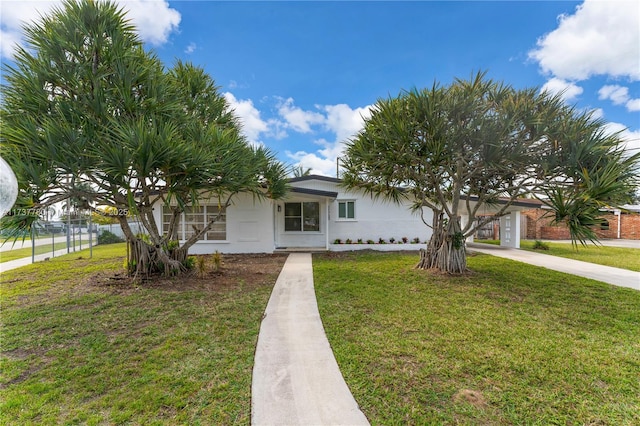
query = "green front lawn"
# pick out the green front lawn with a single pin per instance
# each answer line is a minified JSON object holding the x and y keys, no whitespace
{"x":78,"y":347}
{"x":618,"y":257}
{"x":508,"y":344}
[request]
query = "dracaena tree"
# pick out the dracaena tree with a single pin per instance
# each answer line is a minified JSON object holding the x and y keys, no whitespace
{"x":481,"y":142}
{"x":88,"y":113}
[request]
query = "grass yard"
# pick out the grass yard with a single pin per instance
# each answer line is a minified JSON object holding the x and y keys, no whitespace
{"x":509,"y":344}
{"x":618,"y":257}
{"x":80,"y":344}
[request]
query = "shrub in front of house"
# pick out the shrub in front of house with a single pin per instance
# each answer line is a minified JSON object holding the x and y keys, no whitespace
{"x":540,"y":245}
{"x":392,"y":240}
{"x":107,"y":237}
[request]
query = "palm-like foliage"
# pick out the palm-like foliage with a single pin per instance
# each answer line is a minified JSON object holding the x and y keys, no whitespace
{"x":300,"y":171}
{"x":485,"y":141}
{"x":87,"y":105}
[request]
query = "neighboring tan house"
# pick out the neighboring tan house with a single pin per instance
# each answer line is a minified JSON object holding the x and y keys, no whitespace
{"x":316,"y":214}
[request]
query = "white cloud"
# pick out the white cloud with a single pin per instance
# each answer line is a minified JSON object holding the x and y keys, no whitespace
{"x":8,"y":42}
{"x":568,"y":90}
{"x":601,"y":38}
{"x":154,"y":20}
{"x":616,"y":94}
{"x":317,"y":164}
{"x":344,"y":122}
{"x":190,"y":48}
{"x":619,"y":95}
{"x":233,"y":84}
{"x":13,"y":14}
{"x":631,"y":138}
{"x":340,"y":119}
{"x":633,"y":105}
{"x":277,"y":129}
{"x":252,"y":124}
{"x":298,"y":119}
{"x":597,"y":113}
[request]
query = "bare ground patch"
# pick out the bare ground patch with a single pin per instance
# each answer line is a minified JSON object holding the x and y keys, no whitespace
{"x":247,"y":270}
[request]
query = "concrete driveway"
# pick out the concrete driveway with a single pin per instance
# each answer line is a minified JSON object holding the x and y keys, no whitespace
{"x":615,"y":276}
{"x":609,"y":243}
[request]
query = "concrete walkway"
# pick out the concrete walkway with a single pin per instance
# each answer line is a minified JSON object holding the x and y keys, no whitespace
{"x":615,"y":276}
{"x":296,"y":379}
{"x":24,"y":261}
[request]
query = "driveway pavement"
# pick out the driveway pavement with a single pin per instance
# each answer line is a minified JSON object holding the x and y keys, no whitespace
{"x":610,"y":243}
{"x":615,"y":276}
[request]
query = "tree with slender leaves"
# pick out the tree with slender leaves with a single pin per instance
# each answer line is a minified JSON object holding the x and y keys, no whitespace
{"x":480,"y":142}
{"x":301,"y":171}
{"x":88,"y":113}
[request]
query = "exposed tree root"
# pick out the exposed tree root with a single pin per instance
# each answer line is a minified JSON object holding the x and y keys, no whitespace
{"x":445,"y":250}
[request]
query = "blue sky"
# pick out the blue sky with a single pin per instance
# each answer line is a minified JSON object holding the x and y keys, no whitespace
{"x":301,"y":75}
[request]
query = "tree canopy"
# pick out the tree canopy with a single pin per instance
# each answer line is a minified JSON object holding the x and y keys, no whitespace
{"x":87,"y":113}
{"x":479,"y":142}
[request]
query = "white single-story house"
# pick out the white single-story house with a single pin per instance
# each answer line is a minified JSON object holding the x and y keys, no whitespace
{"x":316,"y":213}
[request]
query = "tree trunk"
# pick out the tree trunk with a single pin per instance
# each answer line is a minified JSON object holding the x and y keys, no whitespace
{"x":445,"y":250}
{"x":145,"y":259}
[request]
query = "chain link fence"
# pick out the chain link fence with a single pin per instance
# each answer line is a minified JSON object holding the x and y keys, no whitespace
{"x":49,"y":239}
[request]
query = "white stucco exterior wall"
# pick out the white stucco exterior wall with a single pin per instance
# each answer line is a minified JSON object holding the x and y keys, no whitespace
{"x":374,"y":218}
{"x":249,"y":228}
{"x":255,"y":226}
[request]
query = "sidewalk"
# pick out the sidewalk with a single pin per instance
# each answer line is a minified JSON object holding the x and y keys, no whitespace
{"x":24,"y":261}
{"x":615,"y":276}
{"x":296,"y":379}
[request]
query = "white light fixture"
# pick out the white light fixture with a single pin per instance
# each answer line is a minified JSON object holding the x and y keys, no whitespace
{"x":8,"y":187}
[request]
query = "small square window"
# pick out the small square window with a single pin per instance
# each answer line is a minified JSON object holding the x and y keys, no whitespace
{"x":346,"y":209}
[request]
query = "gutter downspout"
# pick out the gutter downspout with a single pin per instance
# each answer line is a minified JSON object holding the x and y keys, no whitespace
{"x":617,"y":213}
{"x":274,"y":210}
{"x":326,"y":237}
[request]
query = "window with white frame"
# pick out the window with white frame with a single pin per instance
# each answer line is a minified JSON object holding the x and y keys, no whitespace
{"x":194,"y":219}
{"x":303,"y":217}
{"x":218,"y":230}
{"x":346,"y":209}
{"x":167,"y":214}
